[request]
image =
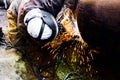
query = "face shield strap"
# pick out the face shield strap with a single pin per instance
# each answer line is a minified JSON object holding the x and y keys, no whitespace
{"x":42,"y":29}
{"x":50,"y":21}
{"x":27,"y":20}
{"x":42,"y":26}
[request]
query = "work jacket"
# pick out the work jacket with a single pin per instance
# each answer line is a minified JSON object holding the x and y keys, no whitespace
{"x":16,"y":29}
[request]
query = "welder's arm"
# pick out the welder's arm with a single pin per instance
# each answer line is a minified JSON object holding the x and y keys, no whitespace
{"x":53,"y":6}
{"x":12,"y":33}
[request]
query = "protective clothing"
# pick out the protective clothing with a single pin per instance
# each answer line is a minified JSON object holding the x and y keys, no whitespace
{"x":17,"y":31}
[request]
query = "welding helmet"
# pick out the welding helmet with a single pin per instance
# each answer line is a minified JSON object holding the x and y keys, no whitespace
{"x":41,"y":25}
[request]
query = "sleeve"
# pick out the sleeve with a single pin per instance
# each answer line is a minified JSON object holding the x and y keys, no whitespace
{"x":12,"y":34}
{"x":53,"y":6}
